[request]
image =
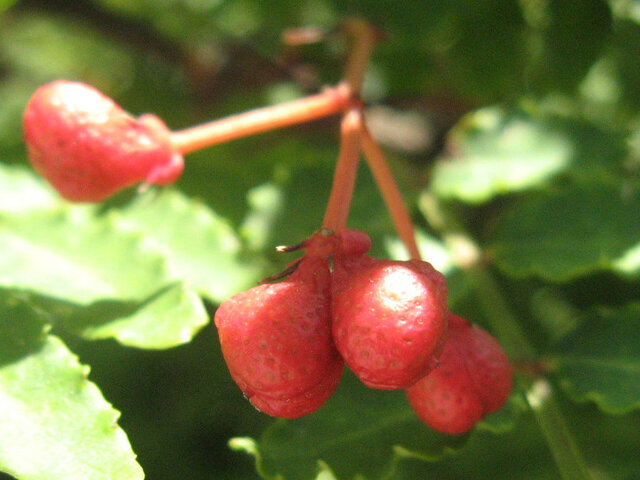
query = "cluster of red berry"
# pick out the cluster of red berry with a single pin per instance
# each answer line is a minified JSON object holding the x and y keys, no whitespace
{"x":285,"y":343}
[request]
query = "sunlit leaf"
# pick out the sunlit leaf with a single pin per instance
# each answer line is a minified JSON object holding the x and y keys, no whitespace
{"x":21,"y":191}
{"x":494,"y":152}
{"x":59,"y":424}
{"x":201,"y":248}
{"x":167,"y":319}
{"x":73,"y":255}
{"x":431,"y":249}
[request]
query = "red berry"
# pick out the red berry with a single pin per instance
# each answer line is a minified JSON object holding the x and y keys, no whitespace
{"x":88,"y":148}
{"x":388,"y":318}
{"x":276,"y":341}
{"x":474,"y":379}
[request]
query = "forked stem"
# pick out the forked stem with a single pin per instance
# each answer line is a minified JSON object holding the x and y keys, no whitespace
{"x":390,"y":193}
{"x":341,"y":98}
{"x":344,"y":177}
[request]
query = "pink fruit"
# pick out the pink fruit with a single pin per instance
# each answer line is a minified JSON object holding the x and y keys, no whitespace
{"x":474,"y":379}
{"x":88,"y":148}
{"x":276,"y":341}
{"x":388,"y":318}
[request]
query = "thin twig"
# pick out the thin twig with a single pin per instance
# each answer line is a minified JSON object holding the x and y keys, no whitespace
{"x":335,"y":217}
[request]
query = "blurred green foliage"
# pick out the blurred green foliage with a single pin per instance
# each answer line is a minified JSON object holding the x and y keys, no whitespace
{"x":528,"y":120}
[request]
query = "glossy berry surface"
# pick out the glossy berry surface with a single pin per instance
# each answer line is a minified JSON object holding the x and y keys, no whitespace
{"x":388,"y":318}
{"x":474,"y":379}
{"x":276,"y":341}
{"x":88,"y":148}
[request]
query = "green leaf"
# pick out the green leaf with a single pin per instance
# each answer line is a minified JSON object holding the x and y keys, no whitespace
{"x":625,"y":43}
{"x":265,"y":206}
{"x":22,"y":328}
{"x":55,"y":422}
{"x":569,"y":233}
{"x":201,"y":248}
{"x":4,"y":4}
{"x":544,"y":403}
{"x":600,"y":361}
{"x":383,"y":419}
{"x":504,"y":419}
{"x":21,"y":191}
{"x":495,"y":152}
{"x":627,"y":9}
{"x":71,"y":259}
{"x":24,"y":48}
{"x":250,"y":446}
{"x":374,"y":426}
{"x":168,"y":319}
{"x":567,"y":36}
{"x":75,"y":256}
{"x":482,"y":39}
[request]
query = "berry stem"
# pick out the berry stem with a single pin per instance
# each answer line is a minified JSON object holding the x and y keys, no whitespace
{"x":344,"y":178}
{"x":329,"y":102}
{"x":390,"y":193}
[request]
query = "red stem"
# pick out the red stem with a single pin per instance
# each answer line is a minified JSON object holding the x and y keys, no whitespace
{"x":344,"y":179}
{"x":329,"y":102}
{"x":390,"y":193}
